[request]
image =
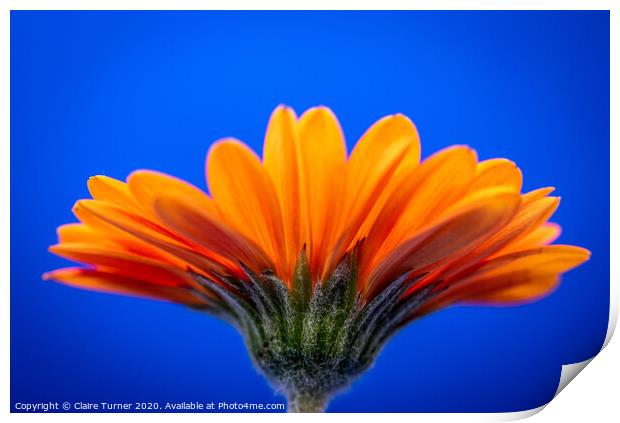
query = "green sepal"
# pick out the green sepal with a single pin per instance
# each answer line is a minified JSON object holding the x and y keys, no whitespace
{"x":312,"y":340}
{"x":302,"y":282}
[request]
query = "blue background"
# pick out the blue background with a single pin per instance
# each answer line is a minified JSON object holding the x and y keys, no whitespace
{"x":109,"y":92}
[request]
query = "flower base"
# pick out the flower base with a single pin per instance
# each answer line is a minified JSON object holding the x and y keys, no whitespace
{"x":312,"y":341}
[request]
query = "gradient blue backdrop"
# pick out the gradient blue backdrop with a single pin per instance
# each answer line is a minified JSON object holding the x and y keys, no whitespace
{"x":109,"y":92}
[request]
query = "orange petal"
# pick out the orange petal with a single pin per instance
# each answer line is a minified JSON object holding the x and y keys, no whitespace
{"x":543,"y":235}
{"x":497,"y":172}
{"x":376,"y":156}
{"x":420,"y":199}
{"x":148,"y":232}
{"x":146,"y":185}
{"x":536,"y":194}
{"x":454,"y":237}
{"x":95,"y":231}
{"x":545,"y":260}
{"x":108,"y":189}
{"x":525,"y":292}
{"x":115,"y":239}
{"x":133,"y":265}
{"x":323,"y":155}
{"x":75,"y":232}
{"x":521,"y":268}
{"x":98,"y":231}
{"x":444,"y":178}
{"x":198,"y":226}
{"x":372,"y":164}
{"x":102,"y":281}
{"x":245,"y":196}
{"x":402,"y":178}
{"x":282,"y":161}
{"x":529,"y":216}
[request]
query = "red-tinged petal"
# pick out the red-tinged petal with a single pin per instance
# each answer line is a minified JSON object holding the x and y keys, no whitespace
{"x":151,"y":234}
{"x":530,"y":216}
{"x":524,"y":268}
{"x":450,"y":239}
{"x":133,"y":265}
{"x":93,"y":230}
{"x":433,"y":187}
{"x":204,"y":229}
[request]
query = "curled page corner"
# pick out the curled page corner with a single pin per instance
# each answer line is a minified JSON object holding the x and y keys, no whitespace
{"x":519,"y":415}
{"x":569,"y":372}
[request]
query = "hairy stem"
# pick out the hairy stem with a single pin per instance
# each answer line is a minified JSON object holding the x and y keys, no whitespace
{"x":306,"y":403}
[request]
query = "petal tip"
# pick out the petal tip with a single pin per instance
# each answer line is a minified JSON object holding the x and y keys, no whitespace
{"x":587,"y":254}
{"x":76,"y":206}
{"x":282,"y":109}
{"x":320,"y":110}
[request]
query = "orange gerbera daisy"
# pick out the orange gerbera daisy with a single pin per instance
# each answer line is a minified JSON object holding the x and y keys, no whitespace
{"x":316,"y":257}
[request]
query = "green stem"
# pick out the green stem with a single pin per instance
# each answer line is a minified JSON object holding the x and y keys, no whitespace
{"x":307,"y":403}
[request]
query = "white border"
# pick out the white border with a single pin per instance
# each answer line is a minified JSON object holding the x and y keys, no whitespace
{"x":596,"y":398}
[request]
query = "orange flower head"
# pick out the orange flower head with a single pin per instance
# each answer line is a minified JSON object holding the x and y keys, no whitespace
{"x":328,"y":253}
